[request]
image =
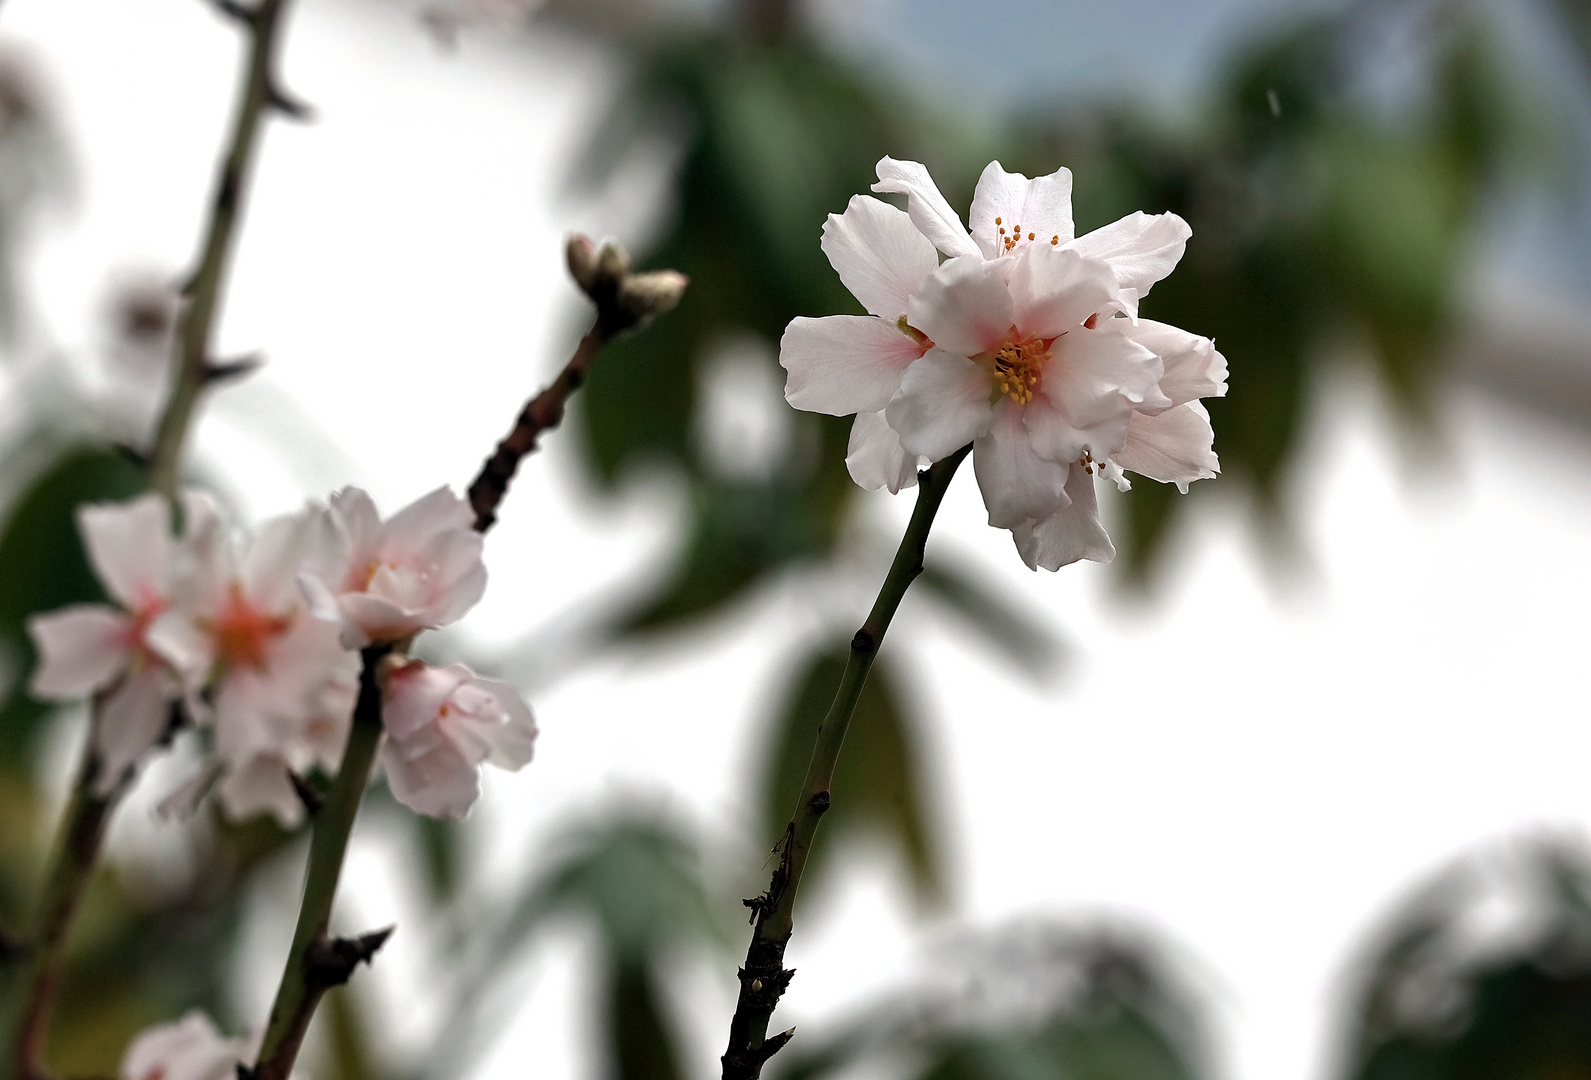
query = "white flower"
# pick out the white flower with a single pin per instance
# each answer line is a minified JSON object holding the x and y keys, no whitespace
{"x":1032,"y":351}
{"x":420,"y":569}
{"x":117,"y":651}
{"x":280,"y":683}
{"x":188,"y":1049}
{"x":441,"y":724}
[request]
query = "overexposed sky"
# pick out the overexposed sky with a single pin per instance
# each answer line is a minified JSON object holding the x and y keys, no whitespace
{"x":1256,"y":770}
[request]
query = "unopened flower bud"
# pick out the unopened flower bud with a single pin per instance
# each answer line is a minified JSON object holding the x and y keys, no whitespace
{"x":581,"y":253}
{"x":646,"y":296}
{"x":613,"y":262}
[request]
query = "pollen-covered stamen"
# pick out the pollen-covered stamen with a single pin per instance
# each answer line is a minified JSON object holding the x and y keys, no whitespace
{"x":1009,"y":239}
{"x":1018,"y":367}
{"x":1089,"y":464}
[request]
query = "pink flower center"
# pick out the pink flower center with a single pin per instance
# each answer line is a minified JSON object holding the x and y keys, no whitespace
{"x":1019,"y":367}
{"x":243,"y":633}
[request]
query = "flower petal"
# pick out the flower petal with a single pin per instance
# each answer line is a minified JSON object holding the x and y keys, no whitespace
{"x":1173,"y":447}
{"x":413,"y":527}
{"x":943,"y":405}
{"x":260,"y":784}
{"x":928,"y":209}
{"x":844,"y":364}
{"x":1041,"y":206}
{"x":1193,"y":367}
{"x":131,"y":719}
{"x":964,"y":306}
{"x":1141,"y":248}
{"x":1074,"y":532}
{"x":512,"y":743}
{"x":130,"y":546}
{"x":875,"y":457}
{"x":1017,"y":484}
{"x":81,"y":649}
{"x":1054,"y":290}
{"x":178,"y":639}
{"x":430,"y":775}
{"x":879,"y":254}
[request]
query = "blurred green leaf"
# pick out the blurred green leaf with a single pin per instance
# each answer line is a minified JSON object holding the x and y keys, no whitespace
{"x":638,"y":1032}
{"x":42,"y":567}
{"x":1011,"y":630}
{"x":877,"y":782}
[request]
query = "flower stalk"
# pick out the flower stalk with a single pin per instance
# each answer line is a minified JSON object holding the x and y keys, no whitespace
{"x":316,"y":962}
{"x":764,"y":977}
{"x":88,"y":812}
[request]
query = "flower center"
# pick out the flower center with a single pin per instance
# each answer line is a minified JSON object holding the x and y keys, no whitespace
{"x":1009,"y":239}
{"x":243,"y":632}
{"x":1018,"y":366}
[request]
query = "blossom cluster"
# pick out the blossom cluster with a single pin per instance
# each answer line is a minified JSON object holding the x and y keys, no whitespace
{"x":258,"y":642}
{"x":1025,"y":341}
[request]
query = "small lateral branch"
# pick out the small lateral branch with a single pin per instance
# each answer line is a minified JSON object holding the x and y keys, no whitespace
{"x":625,"y":301}
{"x":330,"y":962}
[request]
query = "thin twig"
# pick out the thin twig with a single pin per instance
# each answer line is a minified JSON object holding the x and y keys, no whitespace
{"x":193,"y":361}
{"x":541,"y":413}
{"x":317,"y":962}
{"x":83,"y":827}
{"x":764,"y":977}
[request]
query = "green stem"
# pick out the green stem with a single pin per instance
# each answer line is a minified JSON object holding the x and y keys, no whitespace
{"x":83,"y":827}
{"x":71,"y":868}
{"x":309,"y":973}
{"x":763,"y":978}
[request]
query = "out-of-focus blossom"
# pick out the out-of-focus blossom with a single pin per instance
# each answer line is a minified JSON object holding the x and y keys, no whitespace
{"x":187,"y":1049}
{"x":1029,"y":347}
{"x":387,"y":580}
{"x":118,"y":650}
{"x":445,"y":18}
{"x":279,"y":683}
{"x":442,"y":723}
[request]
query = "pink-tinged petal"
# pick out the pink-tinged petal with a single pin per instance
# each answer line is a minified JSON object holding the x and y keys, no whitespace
{"x":1193,"y":367}
{"x":1054,"y":290}
{"x":879,"y":254}
{"x":415,"y":693}
{"x":202,"y":564}
{"x":132,"y":718}
{"x":928,"y":209}
{"x":511,"y":743}
{"x":1074,"y":532}
{"x":190,"y":1049}
{"x":844,"y":364}
{"x":1092,"y":372}
{"x":178,"y":639}
{"x":942,"y":406}
{"x":184,"y":800}
{"x":434,"y":512}
{"x":1055,"y":438}
{"x":81,"y":648}
{"x":1173,"y":447}
{"x":964,"y":307}
{"x":260,"y":785}
{"x":428,"y":774}
{"x":270,"y":569}
{"x":354,"y":515}
{"x":1017,"y":484}
{"x":1041,"y":206}
{"x":1141,"y":248}
{"x":875,"y":457}
{"x":367,"y":618}
{"x":130,"y":547}
{"x":459,"y":576}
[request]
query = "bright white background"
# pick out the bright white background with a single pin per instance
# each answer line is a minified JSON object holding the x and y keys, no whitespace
{"x":1254,"y":766}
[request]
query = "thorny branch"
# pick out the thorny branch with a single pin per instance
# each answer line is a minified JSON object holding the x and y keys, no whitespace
{"x":764,"y":977}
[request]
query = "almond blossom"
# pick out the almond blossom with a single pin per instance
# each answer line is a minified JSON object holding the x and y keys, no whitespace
{"x":187,"y":1049}
{"x":384,"y":581}
{"x":114,"y":650}
{"x":280,"y":686}
{"x":1028,"y":346}
{"x":442,"y":723}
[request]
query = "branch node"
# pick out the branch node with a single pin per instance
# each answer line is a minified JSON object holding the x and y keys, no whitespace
{"x":307,"y":793}
{"x":775,"y":1044}
{"x":331,"y":961}
{"x":819,"y":802}
{"x":244,"y":1072}
{"x":864,"y":641}
{"x":237,"y":12}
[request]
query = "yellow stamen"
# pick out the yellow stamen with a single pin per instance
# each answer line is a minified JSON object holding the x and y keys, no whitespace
{"x":1018,"y":367}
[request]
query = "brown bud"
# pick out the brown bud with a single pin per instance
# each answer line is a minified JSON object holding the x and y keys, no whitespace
{"x":581,"y":253}
{"x":646,"y":296}
{"x":613,"y":262}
